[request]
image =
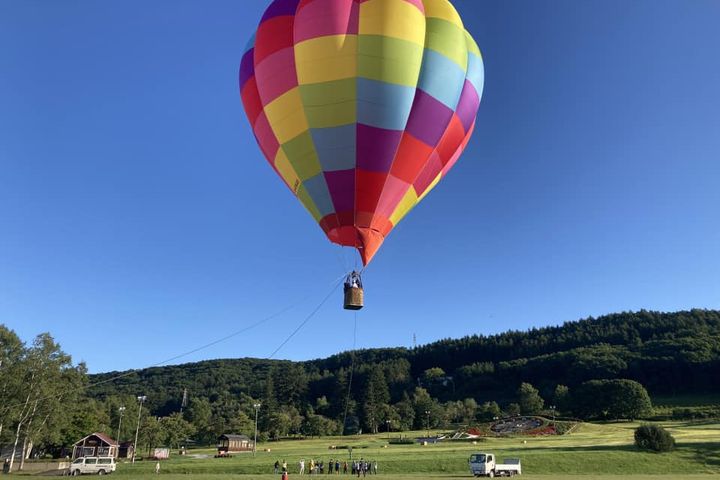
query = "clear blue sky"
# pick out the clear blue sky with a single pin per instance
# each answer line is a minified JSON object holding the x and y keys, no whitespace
{"x":138,"y":218}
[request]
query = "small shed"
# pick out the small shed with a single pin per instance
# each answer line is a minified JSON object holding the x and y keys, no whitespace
{"x":126,"y":450}
{"x":95,"y":445}
{"x":233,"y":443}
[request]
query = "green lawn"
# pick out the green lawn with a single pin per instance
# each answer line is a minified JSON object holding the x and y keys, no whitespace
{"x":592,"y":451}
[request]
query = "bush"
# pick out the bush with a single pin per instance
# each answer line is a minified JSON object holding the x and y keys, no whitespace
{"x":654,"y":437}
{"x":561,"y":428}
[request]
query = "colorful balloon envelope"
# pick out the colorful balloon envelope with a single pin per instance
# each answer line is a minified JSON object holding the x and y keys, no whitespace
{"x":361,"y":106}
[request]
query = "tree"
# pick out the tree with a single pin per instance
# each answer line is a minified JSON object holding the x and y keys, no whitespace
{"x":654,"y":437}
{"x":611,"y":399}
{"x":561,"y":397}
{"x":285,"y":420}
{"x":12,"y":352}
{"x":469,"y":410}
{"x":46,"y":374}
{"x":200,"y":415}
{"x":241,"y":423}
{"x":318,"y":425}
{"x":375,"y":398}
{"x":529,"y":399}
{"x":291,"y":384}
{"x":489,"y":411}
{"x":269,"y":403}
{"x":432,"y":375}
{"x":630,"y":399}
{"x":512,"y":410}
{"x":176,"y":430}
{"x":428,"y":413}
{"x":405,"y":412}
{"x":151,"y":433}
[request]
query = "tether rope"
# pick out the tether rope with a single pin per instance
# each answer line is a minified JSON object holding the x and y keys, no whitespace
{"x":352,"y":369}
{"x":335,"y":284}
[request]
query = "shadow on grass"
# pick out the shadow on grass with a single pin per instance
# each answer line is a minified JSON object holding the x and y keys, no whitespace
{"x":707,"y":450}
{"x":698,"y":423}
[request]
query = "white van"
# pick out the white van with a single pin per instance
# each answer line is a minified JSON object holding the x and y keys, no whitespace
{"x":99,"y":465}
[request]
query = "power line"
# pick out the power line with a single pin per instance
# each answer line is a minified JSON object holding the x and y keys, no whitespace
{"x":307,"y":319}
{"x":335,"y":284}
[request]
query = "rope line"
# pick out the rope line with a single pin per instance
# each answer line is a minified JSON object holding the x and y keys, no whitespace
{"x":307,"y":319}
{"x":335,"y":284}
{"x":352,"y":369}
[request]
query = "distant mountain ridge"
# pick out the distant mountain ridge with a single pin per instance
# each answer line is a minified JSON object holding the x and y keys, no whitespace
{"x":676,"y":352}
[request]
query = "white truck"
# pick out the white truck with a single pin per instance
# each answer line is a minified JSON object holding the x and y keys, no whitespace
{"x":483,"y":465}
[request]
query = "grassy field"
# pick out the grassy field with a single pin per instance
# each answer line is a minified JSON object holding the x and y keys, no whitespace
{"x":592,"y":451}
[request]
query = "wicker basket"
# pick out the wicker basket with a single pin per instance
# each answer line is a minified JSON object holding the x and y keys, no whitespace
{"x":353,"y":298}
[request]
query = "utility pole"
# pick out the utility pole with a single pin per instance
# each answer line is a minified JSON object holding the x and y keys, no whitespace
{"x":257,"y":409}
{"x":121,"y":410}
{"x":141,"y":399}
{"x":184,"y":401}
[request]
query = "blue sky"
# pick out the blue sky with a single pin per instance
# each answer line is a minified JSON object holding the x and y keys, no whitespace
{"x":139,"y":220}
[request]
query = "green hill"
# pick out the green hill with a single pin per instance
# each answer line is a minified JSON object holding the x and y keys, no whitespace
{"x":671,"y":354}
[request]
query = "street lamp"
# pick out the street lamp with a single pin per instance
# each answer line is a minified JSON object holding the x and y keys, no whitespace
{"x":141,"y":399}
{"x":257,"y":409}
{"x":552,"y":409}
{"x":427,"y":412}
{"x":387,"y":424}
{"x":121,"y":410}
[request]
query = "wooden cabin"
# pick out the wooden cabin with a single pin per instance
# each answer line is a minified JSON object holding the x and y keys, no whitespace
{"x":233,"y":443}
{"x":95,"y":445}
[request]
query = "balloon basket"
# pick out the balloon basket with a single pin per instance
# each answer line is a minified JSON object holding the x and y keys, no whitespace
{"x":353,"y":298}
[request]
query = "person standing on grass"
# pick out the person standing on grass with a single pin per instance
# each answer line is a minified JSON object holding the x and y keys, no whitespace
{"x":277,"y":466}
{"x":284,"y":475}
{"x":375,"y":467}
{"x":302,"y":466}
{"x":157,"y":468}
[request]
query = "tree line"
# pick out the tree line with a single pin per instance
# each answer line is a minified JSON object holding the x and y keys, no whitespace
{"x":591,"y":369}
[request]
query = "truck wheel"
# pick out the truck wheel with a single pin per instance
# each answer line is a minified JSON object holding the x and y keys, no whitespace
{"x":101,"y":472}
{"x":491,"y":474}
{"x":75,"y":473}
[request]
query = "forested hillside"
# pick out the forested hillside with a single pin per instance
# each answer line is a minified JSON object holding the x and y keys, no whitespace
{"x":593,"y":369}
{"x":668,"y":353}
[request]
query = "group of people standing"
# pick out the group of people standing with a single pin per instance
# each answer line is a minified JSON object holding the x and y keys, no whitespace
{"x":318,"y":467}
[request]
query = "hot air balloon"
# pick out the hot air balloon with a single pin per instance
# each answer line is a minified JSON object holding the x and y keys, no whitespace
{"x":361,"y":106}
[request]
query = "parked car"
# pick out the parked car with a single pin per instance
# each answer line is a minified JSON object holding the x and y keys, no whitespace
{"x":99,"y":465}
